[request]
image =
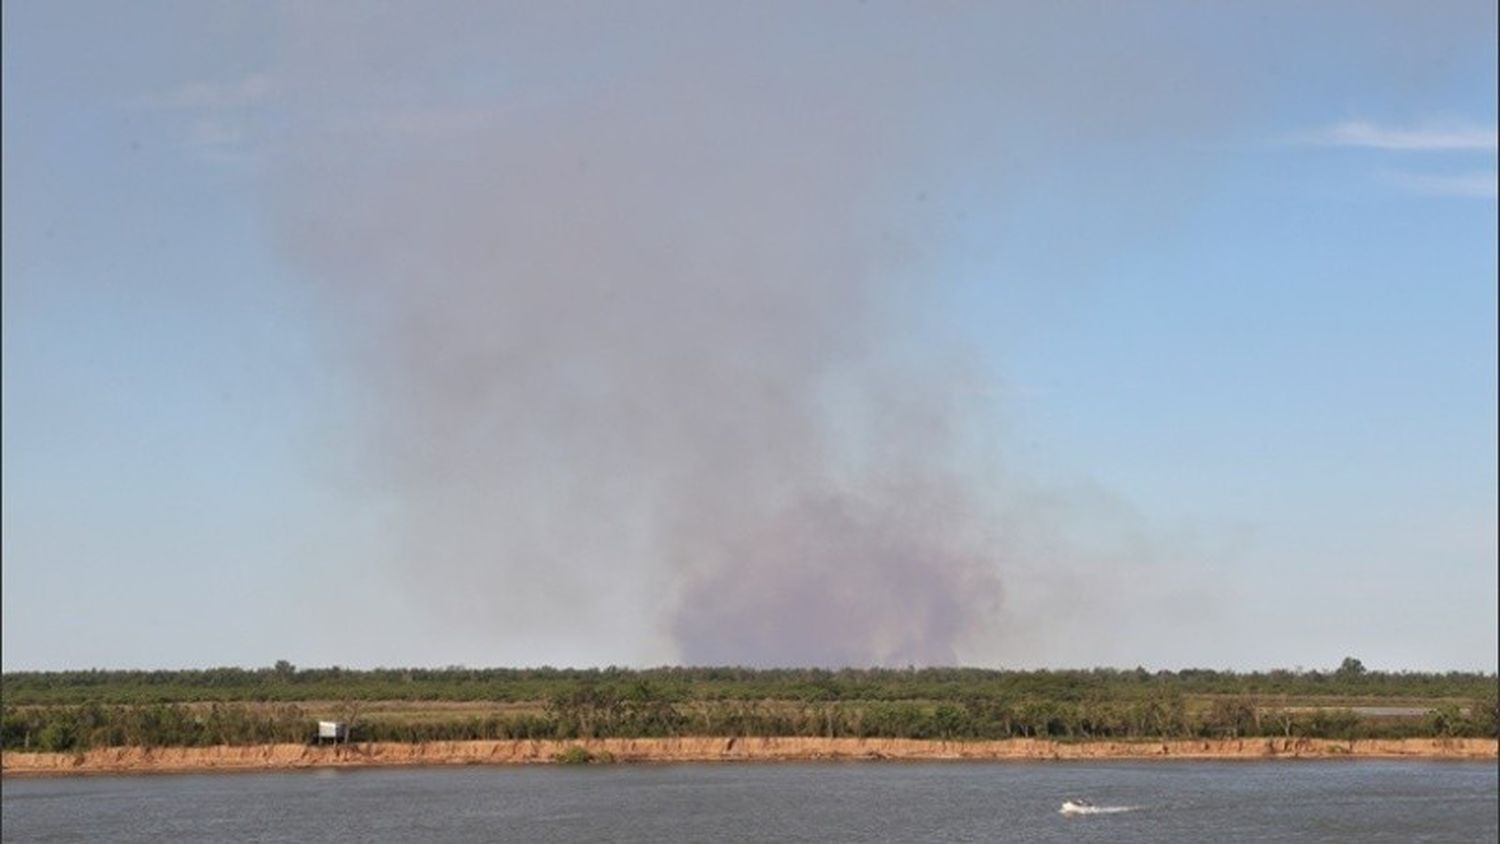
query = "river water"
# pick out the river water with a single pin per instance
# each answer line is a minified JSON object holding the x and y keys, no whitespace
{"x":1342,"y":800}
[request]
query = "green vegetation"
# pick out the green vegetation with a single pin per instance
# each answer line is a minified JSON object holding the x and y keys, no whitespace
{"x":285,"y":683}
{"x":72,"y":710}
{"x":62,"y":728}
{"x":575,"y":755}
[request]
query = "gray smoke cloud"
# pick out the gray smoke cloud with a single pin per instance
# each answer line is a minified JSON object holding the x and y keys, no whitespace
{"x":634,"y":296}
{"x":638,"y":335}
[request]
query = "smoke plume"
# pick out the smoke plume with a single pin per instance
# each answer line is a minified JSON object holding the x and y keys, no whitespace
{"x":636,"y":302}
{"x":635,"y":341}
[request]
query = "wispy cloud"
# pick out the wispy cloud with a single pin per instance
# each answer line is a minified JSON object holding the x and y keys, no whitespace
{"x":214,"y":118}
{"x":252,"y":90}
{"x":1463,"y":139}
{"x":209,"y":133}
{"x":1418,"y":139}
{"x":1484,"y":184}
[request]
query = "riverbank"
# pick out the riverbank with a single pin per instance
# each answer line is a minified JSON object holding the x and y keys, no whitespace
{"x":522,"y":752}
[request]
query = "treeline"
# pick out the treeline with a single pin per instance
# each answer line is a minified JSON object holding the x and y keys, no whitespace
{"x":68,"y":728}
{"x":286,"y":683}
{"x":596,"y":711}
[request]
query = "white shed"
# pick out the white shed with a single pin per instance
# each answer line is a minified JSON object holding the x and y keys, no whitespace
{"x":333,"y":731}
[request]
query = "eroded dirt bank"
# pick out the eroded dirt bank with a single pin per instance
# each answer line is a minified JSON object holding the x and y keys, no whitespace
{"x":287,"y":756}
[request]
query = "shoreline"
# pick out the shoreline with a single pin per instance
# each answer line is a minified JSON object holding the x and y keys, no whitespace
{"x":283,"y":757}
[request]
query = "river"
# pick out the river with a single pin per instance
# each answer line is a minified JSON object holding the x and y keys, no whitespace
{"x":1339,"y":800}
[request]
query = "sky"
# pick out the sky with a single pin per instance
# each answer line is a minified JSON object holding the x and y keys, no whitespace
{"x":996,"y":334}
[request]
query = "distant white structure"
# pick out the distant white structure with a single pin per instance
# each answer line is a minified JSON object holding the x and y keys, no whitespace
{"x":334,"y":731}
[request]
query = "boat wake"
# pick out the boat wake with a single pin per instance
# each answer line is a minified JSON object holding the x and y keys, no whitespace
{"x":1073,"y":807}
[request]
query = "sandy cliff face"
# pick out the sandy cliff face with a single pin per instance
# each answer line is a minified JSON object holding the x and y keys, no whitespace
{"x":284,"y":756}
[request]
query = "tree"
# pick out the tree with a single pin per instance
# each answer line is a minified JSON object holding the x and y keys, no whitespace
{"x":1351,"y":667}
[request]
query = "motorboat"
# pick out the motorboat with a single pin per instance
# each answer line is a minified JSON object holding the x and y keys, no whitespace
{"x":1077,"y":806}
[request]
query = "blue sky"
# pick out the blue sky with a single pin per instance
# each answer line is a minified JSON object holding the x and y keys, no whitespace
{"x":1215,"y":287}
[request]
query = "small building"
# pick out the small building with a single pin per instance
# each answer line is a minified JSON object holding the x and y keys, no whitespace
{"x":334,"y":731}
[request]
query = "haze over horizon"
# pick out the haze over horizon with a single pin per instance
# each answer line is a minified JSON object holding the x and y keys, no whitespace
{"x":861,"y":333}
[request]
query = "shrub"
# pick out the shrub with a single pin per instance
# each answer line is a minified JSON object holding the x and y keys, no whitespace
{"x":573,"y":755}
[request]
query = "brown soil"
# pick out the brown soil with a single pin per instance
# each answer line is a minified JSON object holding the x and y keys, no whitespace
{"x":288,"y":756}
